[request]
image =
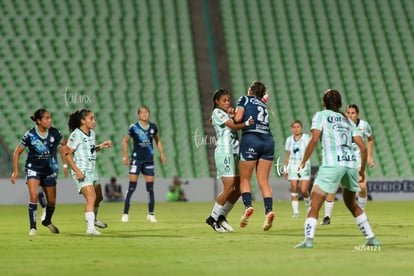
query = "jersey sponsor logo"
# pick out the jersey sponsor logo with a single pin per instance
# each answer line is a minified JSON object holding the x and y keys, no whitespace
{"x":346,"y":158}
{"x":31,"y":173}
{"x":332,"y":119}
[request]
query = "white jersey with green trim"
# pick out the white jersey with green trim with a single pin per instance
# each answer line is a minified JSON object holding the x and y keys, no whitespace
{"x":336,"y":138}
{"x":366,"y":131}
{"x":227,"y":141}
{"x":297,"y":148}
{"x":84,"y":149}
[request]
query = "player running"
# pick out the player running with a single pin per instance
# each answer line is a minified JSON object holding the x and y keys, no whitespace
{"x":42,"y":141}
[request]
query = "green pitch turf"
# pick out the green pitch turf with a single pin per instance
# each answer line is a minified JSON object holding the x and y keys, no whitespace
{"x":182,"y":244}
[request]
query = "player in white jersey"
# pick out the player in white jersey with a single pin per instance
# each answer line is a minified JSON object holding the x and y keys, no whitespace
{"x":295,"y":148}
{"x":352,"y":112}
{"x":81,"y":157}
{"x":336,"y":133}
{"x":226,"y":157}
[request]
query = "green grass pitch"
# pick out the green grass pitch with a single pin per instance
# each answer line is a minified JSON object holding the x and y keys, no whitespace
{"x":182,"y":244}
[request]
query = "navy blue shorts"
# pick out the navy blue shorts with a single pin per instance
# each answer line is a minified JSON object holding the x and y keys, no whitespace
{"x":255,"y":146}
{"x":146,"y":168}
{"x":46,"y":180}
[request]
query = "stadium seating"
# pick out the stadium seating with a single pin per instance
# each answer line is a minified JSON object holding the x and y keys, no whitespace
{"x":361,"y":48}
{"x":110,"y":57}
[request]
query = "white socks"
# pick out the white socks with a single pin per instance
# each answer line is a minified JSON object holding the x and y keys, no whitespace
{"x":226,"y":208}
{"x":215,"y":213}
{"x":310,"y":227}
{"x":90,"y":219}
{"x":363,"y":224}
{"x":362,"y":202}
{"x":295,"y":206}
{"x":328,"y":208}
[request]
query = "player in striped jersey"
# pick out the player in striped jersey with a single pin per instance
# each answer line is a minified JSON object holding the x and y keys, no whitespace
{"x":336,"y":133}
{"x":364,"y":127}
{"x":295,"y":148}
{"x":256,"y":151}
{"x":226,"y":157}
{"x":42,"y":143}
{"x":81,"y":157}
{"x":142,"y":159}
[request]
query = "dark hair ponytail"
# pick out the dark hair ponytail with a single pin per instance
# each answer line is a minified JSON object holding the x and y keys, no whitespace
{"x":216,"y":96}
{"x":76,"y":117}
{"x":333,"y":101}
{"x":38,"y":115}
{"x":258,"y":89}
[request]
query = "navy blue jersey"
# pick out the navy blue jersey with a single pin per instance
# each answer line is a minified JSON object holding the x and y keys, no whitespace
{"x":143,"y":149}
{"x":42,"y":150}
{"x":258,"y":111}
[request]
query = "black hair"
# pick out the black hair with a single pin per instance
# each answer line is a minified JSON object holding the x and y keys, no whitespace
{"x":333,"y":101}
{"x":217,"y":95}
{"x":258,"y":89}
{"x":76,"y":117}
{"x":38,"y":115}
{"x":354,"y":106}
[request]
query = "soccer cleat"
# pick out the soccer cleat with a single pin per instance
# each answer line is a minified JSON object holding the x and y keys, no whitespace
{"x":215,"y":225}
{"x":295,"y":215}
{"x":51,"y":227}
{"x":93,"y":232}
{"x":373,"y":242}
{"x":326,"y":221}
{"x":268,"y":222}
{"x":304,"y":244}
{"x":151,"y":218}
{"x":223,"y":223}
{"x":124,"y":218}
{"x":100,"y":224}
{"x":244,"y":220}
{"x":32,"y":232}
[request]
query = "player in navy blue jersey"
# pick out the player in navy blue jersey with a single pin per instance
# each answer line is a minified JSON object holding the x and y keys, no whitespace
{"x":142,"y":159}
{"x":256,"y":151}
{"x":42,"y":142}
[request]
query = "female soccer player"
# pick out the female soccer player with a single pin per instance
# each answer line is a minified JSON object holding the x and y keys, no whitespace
{"x":142,"y":159}
{"x":42,"y":141}
{"x":352,"y":111}
{"x":256,"y":151}
{"x":226,"y":157}
{"x":81,"y":157}
{"x":295,"y":148}
{"x":336,"y":133}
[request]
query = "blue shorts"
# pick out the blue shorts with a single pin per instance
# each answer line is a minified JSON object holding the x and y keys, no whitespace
{"x":255,"y":146}
{"x":46,"y":180}
{"x":146,"y":168}
{"x":329,"y":178}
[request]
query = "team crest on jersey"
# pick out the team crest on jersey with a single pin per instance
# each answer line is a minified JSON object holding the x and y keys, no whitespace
{"x":52,"y":139}
{"x":227,"y":168}
{"x":151,"y":131}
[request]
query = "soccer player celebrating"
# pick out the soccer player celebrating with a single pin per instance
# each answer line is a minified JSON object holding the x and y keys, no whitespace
{"x":42,"y":141}
{"x":295,"y":148}
{"x":142,"y":159}
{"x":336,"y":133}
{"x":256,"y":151}
{"x":81,"y":157}
{"x":226,"y":157}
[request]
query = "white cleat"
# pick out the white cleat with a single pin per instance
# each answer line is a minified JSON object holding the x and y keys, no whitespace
{"x":151,"y":218}
{"x":124,"y":218}
{"x":93,"y":232}
{"x":32,"y":232}
{"x":223,"y":223}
